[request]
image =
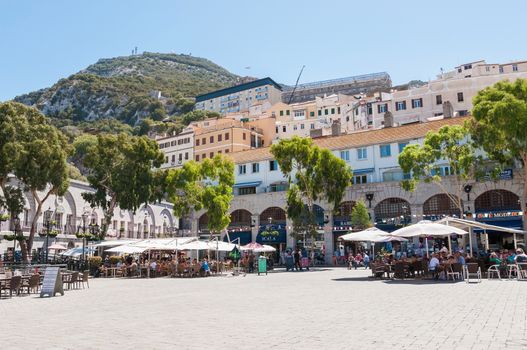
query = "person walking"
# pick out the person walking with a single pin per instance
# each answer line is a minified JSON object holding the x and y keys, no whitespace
{"x":296,"y":256}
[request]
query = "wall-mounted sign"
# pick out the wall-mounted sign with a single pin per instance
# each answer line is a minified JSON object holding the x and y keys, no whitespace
{"x":506,"y":174}
{"x":499,"y":214}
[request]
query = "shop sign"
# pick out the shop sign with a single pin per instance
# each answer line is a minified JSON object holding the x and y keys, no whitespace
{"x":504,"y":175}
{"x":498,"y":214}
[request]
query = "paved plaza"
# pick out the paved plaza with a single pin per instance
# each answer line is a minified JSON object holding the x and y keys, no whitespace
{"x":324,"y":309}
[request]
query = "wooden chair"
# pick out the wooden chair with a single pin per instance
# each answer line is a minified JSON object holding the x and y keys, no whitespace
{"x":398,"y":271}
{"x":377,"y":270}
{"x":14,"y":285}
{"x":83,"y":278}
{"x":522,"y":271}
{"x":72,"y":280}
{"x":455,"y":271}
{"x":33,"y":284}
{"x":473,"y":270}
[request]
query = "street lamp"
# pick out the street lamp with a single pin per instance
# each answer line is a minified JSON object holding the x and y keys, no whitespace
{"x":81,"y":232}
{"x":145,"y":226}
{"x":369,"y":198}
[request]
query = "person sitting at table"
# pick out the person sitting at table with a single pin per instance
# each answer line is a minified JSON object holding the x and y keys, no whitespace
{"x":433,"y":265}
{"x":511,"y":257}
{"x":520,"y":257}
{"x":494,"y":259}
{"x":460,"y":258}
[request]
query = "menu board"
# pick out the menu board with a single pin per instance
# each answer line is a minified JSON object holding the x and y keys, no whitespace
{"x":52,"y":283}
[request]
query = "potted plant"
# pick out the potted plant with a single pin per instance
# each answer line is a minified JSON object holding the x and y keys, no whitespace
{"x":95,"y":262}
{"x":20,"y":238}
{"x":53,"y":233}
{"x":114,"y":259}
{"x":9,"y":237}
{"x":4,"y":217}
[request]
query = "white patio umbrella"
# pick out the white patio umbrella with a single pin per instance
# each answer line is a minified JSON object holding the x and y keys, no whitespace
{"x":384,"y":239}
{"x":251,"y":246}
{"x":366,"y":235}
{"x":221,"y":246}
{"x":265,"y":249}
{"x":426,"y":228}
{"x":127,"y":249}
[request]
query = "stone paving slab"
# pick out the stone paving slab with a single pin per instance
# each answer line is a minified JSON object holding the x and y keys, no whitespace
{"x":325,"y":309}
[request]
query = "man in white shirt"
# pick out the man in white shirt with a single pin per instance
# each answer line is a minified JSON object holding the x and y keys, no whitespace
{"x":434,"y":263}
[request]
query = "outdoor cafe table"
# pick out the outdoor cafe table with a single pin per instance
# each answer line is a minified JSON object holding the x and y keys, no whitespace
{"x":111,"y":271}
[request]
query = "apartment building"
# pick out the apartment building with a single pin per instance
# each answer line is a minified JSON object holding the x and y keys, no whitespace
{"x":450,"y":94}
{"x":224,"y":136}
{"x":178,"y":149}
{"x":359,"y":84}
{"x":240,"y":98}
{"x":260,"y":202}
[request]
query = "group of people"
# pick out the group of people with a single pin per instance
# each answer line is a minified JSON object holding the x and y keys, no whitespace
{"x":297,"y":260}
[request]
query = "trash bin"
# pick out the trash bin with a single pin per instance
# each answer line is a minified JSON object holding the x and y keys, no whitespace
{"x":262,"y":265}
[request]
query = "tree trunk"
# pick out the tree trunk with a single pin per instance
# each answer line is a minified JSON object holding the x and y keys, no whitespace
{"x":26,"y":246}
{"x":108,"y":214}
{"x":523,"y":199}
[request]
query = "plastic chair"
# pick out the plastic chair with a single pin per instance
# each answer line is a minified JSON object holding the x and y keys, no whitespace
{"x":473,"y":270}
{"x":493,"y":270}
{"x":455,"y":271}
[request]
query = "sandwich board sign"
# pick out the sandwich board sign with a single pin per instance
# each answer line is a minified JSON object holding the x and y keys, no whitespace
{"x":52,"y":283}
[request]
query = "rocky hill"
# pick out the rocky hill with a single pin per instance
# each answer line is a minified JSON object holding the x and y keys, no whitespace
{"x":131,"y":88}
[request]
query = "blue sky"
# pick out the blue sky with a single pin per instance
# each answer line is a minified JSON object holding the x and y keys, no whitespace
{"x":43,"y":41}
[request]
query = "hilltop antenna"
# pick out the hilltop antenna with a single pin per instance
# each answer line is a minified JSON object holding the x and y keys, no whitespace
{"x":296,"y":84}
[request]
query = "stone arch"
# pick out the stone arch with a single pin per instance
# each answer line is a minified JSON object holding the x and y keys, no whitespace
{"x":440,"y":205}
{"x":497,"y":200}
{"x":241,"y":218}
{"x":277,"y":215}
{"x":393,"y":209}
{"x":343,"y":212}
{"x":203,"y":221}
{"x":73,"y":206}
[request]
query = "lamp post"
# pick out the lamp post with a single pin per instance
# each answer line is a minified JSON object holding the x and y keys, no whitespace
{"x":145,"y":226}
{"x":81,"y":231}
{"x":369,"y":198}
{"x":94,"y":232}
{"x":17,"y":232}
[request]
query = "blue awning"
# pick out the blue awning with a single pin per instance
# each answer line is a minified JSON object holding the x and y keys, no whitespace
{"x":247,"y":184}
{"x":363,"y":171}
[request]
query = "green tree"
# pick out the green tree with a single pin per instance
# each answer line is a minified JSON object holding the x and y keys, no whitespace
{"x":206,"y":185}
{"x":499,"y":126}
{"x":120,"y":171}
{"x":449,"y":146}
{"x":314,"y":174}
{"x":13,"y":201}
{"x":198,"y":115}
{"x":360,"y":218}
{"x":38,"y":160}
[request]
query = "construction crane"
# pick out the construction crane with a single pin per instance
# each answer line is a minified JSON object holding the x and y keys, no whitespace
{"x":296,"y":84}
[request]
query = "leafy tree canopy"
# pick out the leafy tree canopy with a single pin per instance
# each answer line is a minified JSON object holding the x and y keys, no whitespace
{"x":120,"y":171}
{"x":206,"y":185}
{"x":360,"y":218}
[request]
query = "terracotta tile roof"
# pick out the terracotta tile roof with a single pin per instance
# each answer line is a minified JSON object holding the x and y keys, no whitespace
{"x":358,"y":139}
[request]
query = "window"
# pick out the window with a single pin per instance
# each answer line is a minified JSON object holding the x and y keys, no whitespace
{"x":276,"y":129}
{"x":273,"y":165}
{"x":326,"y":111}
{"x":244,"y":136}
{"x":227,"y":150}
{"x":242,"y":169}
{"x":203,"y":141}
{"x":402,"y":145}
{"x":386,"y":150}
{"x":439,"y":100}
{"x":460,"y":97}
{"x":211,"y":154}
{"x":311,"y":114}
{"x":338,"y":110}
{"x":501,"y":69}
{"x":467,"y":66}
{"x":204,"y":155}
{"x":180,"y":157}
{"x":312,"y":126}
{"x":299,"y":114}
{"x":345,"y":155}
{"x":514,"y":67}
{"x":246,"y":190}
{"x":319,"y":112}
{"x":166,"y":159}
{"x":360,"y":179}
{"x":332,"y":110}
{"x":284,"y":129}
{"x":400,"y":106}
{"x":362,"y":153}
{"x":281,"y":113}
{"x":173,"y":158}
{"x":369,"y":108}
{"x":462,"y":113}
{"x":211,"y":139}
{"x":220,"y":137}
{"x":302,"y":126}
{"x":197,"y":142}
{"x":256,"y":167}
{"x":226,"y":136}
{"x":382,"y":108}
{"x":197,"y":157}
{"x":417,"y":103}
{"x":295,"y":127}
{"x":487,"y":69}
{"x":186,"y":155}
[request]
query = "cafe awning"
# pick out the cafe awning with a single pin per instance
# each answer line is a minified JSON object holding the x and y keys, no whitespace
{"x":247,"y":184}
